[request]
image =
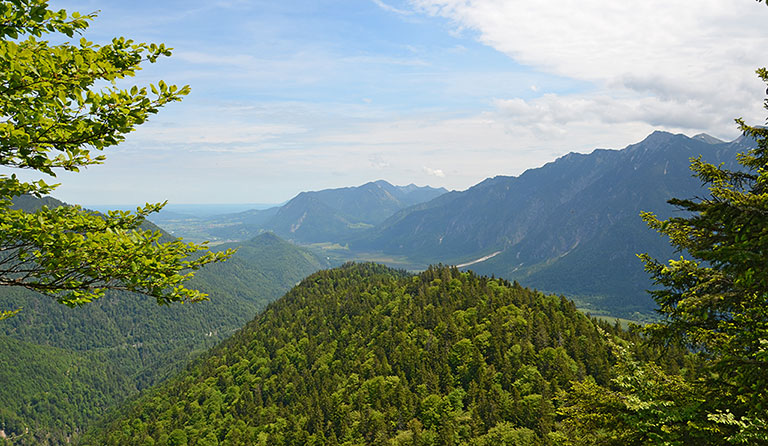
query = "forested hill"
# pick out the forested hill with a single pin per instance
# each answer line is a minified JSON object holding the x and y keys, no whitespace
{"x":63,"y":367}
{"x":571,"y":226}
{"x":364,"y":354}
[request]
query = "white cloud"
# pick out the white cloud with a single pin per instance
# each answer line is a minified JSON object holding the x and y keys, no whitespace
{"x":391,"y":8}
{"x":653,"y":57}
{"x":378,"y":162}
{"x":433,"y":172}
{"x":551,"y":109}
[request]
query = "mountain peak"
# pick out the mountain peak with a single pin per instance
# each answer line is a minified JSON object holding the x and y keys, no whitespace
{"x":658,"y":136}
{"x":267,"y":237}
{"x":382,"y":183}
{"x":654,"y":141}
{"x":709,"y":139}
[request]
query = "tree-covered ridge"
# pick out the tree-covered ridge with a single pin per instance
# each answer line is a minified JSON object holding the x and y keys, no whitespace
{"x":133,"y":342}
{"x":50,"y":393}
{"x":368,"y":355}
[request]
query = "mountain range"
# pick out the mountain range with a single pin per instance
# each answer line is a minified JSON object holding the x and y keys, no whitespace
{"x":572,"y":226}
{"x":329,"y":215}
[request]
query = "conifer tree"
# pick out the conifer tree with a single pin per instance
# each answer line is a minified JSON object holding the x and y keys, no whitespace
{"x":716,"y":300}
{"x":713,"y":301}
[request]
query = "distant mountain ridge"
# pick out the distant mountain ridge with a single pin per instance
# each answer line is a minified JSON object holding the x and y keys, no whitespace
{"x":570,"y":226}
{"x":333,"y":214}
{"x":329,"y":215}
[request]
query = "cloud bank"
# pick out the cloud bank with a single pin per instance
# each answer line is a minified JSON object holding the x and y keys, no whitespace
{"x":687,"y":63}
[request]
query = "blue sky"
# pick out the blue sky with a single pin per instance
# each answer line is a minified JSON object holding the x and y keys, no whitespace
{"x":304,"y":95}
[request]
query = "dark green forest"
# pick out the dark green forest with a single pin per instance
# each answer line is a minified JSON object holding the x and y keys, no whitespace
{"x":364,"y":354}
{"x":49,"y":393}
{"x":78,"y":362}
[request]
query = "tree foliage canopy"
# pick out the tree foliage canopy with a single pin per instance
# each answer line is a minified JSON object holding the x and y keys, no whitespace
{"x":364,"y":354}
{"x":54,"y":116}
{"x":716,"y":302}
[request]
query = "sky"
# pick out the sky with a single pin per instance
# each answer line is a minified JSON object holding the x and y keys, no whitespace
{"x":298,"y":95}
